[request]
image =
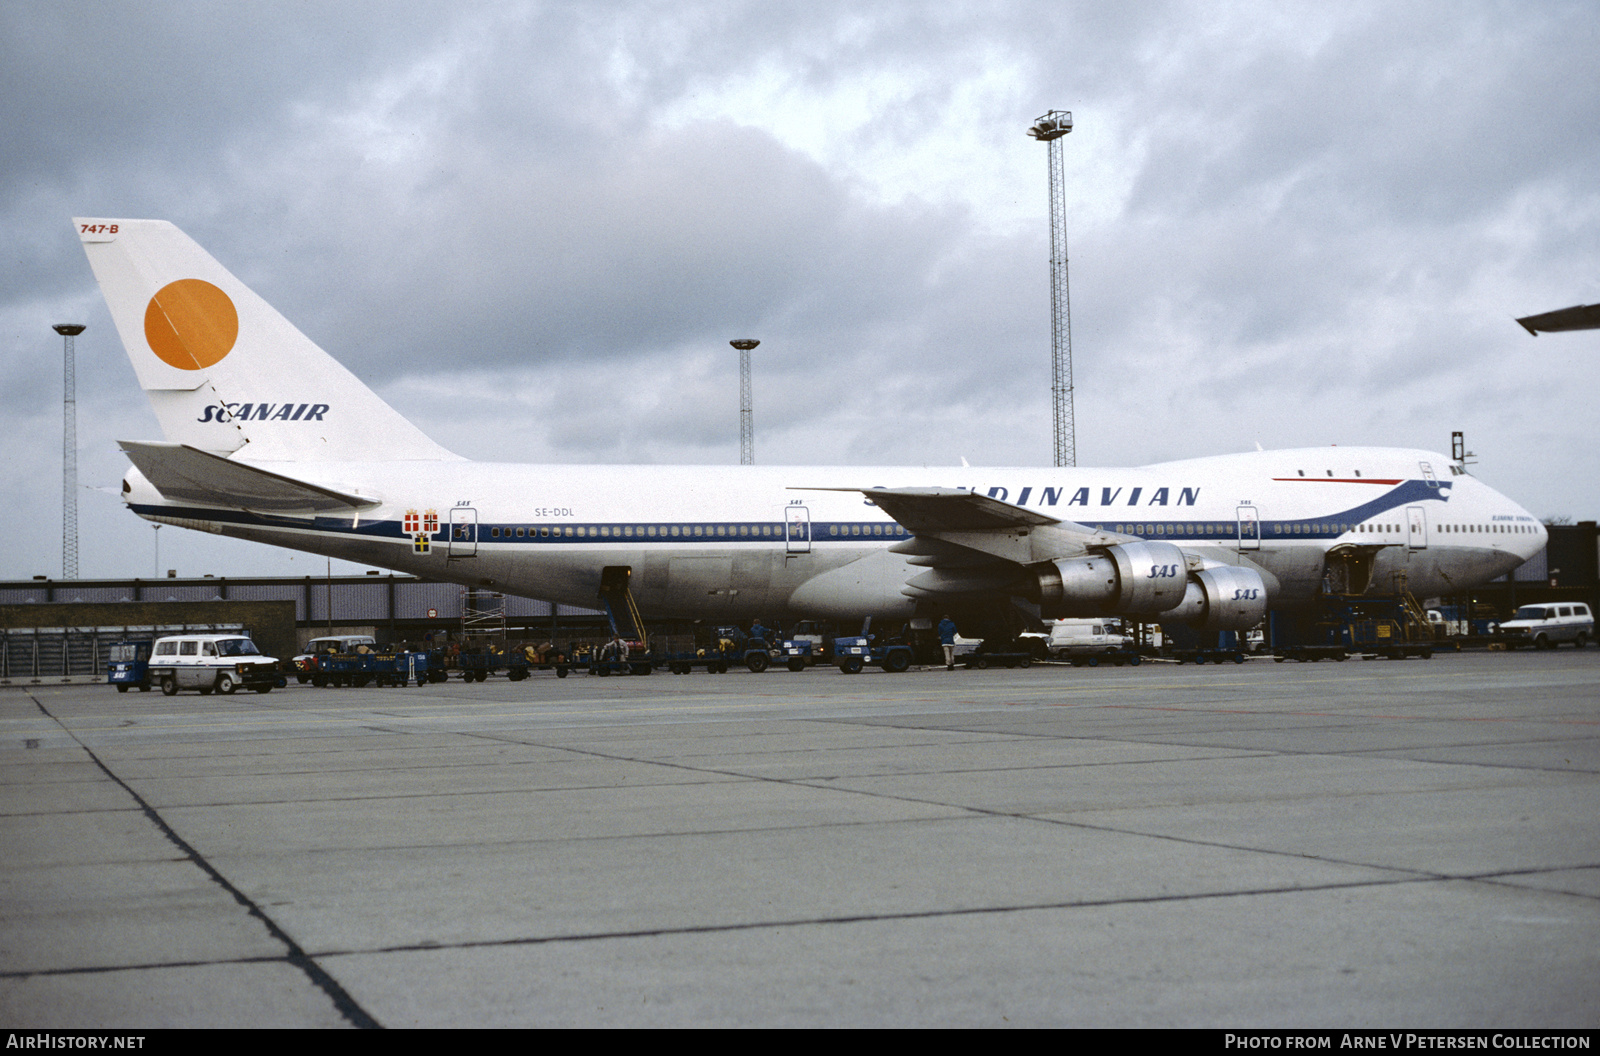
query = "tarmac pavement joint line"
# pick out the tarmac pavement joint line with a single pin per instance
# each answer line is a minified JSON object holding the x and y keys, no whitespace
{"x":311,"y":716}
{"x":874,"y":918}
{"x":346,"y":1005}
{"x":967,"y":808}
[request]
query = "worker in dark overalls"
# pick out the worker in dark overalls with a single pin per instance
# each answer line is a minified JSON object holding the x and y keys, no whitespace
{"x":947,"y":640}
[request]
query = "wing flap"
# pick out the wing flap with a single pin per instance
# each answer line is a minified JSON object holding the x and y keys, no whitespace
{"x":186,"y":474}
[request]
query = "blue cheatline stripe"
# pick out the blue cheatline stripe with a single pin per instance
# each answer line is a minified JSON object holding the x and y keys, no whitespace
{"x":701,"y":532}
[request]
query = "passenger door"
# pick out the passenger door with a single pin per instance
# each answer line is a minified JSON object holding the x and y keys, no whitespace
{"x":796,"y":530}
{"x":1249,"y":528}
{"x":463,"y":532}
{"x":1416,"y":528}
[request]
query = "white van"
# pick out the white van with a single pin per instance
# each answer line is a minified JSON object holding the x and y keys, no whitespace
{"x":1548,"y":625}
{"x":1069,"y":638}
{"x":206,"y":662}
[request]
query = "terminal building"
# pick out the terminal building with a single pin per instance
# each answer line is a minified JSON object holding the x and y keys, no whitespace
{"x":59,"y":628}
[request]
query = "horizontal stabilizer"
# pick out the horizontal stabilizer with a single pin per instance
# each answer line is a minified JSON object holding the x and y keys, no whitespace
{"x":186,"y":474}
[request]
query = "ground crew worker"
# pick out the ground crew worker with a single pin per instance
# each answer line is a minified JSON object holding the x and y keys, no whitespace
{"x":947,"y":639}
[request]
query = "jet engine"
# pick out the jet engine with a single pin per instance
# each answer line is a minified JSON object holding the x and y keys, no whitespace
{"x":1224,"y":598}
{"x":1151,"y":579}
{"x":1141,"y":578}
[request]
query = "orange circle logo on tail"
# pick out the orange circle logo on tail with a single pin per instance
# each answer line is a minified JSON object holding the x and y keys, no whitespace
{"x":191,"y":324}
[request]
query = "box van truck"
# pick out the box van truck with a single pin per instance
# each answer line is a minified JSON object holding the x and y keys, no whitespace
{"x":206,"y":662}
{"x":1069,"y":638}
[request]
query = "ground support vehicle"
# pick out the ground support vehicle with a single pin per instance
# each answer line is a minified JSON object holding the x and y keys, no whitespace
{"x":1022,"y":651}
{"x":398,"y":668}
{"x":475,"y":666}
{"x":815,"y":634}
{"x":631,"y":666}
{"x":793,"y":654}
{"x":305,"y":664}
{"x":1547,"y":625}
{"x":1073,"y":638}
{"x":212,"y":662}
{"x":713,"y":660}
{"x":754,"y":653}
{"x":1303,"y":653}
{"x":1387,"y":639}
{"x":797,"y":654}
{"x":1118,"y":657}
{"x":1373,"y":625}
{"x":855,"y":653}
{"x":1393,"y":627}
{"x":982,"y":661}
{"x":129,"y":665}
{"x":1216,"y":656}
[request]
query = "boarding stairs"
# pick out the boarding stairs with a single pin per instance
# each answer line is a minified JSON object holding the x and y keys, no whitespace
{"x":620,"y":608}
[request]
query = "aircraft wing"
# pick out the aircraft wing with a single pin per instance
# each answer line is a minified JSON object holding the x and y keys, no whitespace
{"x":923,"y":510}
{"x":187,"y":474}
{"x":1578,"y":317}
{"x":971,"y":542}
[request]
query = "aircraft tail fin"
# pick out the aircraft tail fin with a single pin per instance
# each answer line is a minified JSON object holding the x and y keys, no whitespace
{"x":224,"y":371}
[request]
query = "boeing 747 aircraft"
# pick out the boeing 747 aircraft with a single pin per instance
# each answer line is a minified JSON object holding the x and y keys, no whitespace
{"x":268,"y":438}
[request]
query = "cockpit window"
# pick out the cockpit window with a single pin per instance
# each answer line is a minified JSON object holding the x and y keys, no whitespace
{"x":237,"y":647}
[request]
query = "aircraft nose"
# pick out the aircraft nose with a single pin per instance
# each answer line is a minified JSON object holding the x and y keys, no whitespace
{"x":1534,"y":541}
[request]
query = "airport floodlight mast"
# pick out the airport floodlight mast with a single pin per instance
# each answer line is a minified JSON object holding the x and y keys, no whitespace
{"x":1051,"y":128}
{"x":69,"y":452}
{"x":747,"y":429}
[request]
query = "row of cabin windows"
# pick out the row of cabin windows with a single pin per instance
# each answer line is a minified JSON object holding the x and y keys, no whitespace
{"x":647,"y":531}
{"x":1455,"y":471}
{"x":1314,"y":529}
{"x":1234,"y":529}
{"x":774,"y":531}
{"x":696,"y":531}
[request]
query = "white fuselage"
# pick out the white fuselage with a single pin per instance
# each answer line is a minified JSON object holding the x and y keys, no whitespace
{"x":737,"y":542}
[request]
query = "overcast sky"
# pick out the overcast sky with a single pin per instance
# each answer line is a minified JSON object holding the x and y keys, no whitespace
{"x":534,"y":227}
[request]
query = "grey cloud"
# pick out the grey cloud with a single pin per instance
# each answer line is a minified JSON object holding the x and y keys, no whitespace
{"x":1289,"y":224}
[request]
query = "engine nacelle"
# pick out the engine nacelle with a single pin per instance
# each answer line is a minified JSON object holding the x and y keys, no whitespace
{"x":1140,"y":578}
{"x":1152,"y":580}
{"x":1225,"y":598}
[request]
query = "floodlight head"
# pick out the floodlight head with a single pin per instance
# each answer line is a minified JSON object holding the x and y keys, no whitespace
{"x":744,"y":344}
{"x":1052,"y":125}
{"x":69,"y":329}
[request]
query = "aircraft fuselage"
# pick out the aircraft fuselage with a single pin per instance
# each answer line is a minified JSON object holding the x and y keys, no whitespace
{"x":738,"y":542}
